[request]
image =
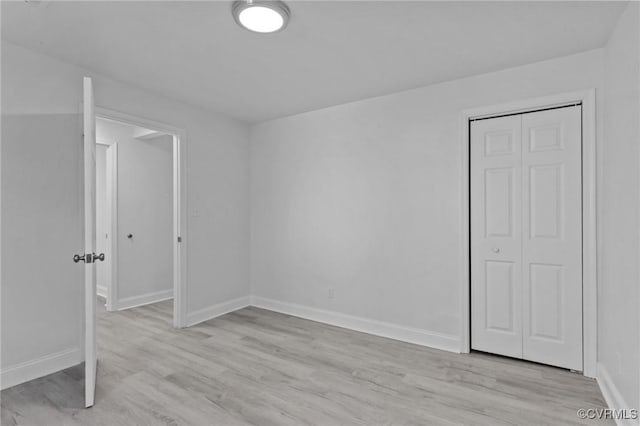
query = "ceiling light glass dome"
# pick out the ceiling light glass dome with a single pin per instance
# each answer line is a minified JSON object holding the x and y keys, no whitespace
{"x":261,"y":16}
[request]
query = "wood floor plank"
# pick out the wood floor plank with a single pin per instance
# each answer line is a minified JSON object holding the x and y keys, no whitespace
{"x":256,"y":367}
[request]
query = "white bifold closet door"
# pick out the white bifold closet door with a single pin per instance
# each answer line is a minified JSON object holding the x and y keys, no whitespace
{"x":526,"y":236}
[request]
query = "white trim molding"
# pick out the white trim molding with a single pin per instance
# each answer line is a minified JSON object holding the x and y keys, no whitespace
{"x":214,"y":311}
{"x":112,"y":223}
{"x":39,"y":367}
{"x":612,"y":395}
{"x":143,"y":299}
{"x":101,"y":291}
{"x":365,"y":325}
{"x":402,"y":333}
{"x":589,"y":274}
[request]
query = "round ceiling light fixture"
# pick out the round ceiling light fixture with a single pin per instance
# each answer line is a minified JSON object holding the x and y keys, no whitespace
{"x":261,"y":16}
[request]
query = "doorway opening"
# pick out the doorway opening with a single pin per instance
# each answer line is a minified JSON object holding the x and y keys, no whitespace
{"x":139,"y":214}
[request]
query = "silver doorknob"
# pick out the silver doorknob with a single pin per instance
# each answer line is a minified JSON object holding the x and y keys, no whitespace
{"x":88,"y":257}
{"x":495,"y":250}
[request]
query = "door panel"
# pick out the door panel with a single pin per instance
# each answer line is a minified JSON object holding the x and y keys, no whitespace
{"x":552,"y":247}
{"x":546,"y":187}
{"x":499,"y":195}
{"x":546,"y":290}
{"x":500,"y":302}
{"x":526,"y":236}
{"x":90,"y":360}
{"x":495,"y":242}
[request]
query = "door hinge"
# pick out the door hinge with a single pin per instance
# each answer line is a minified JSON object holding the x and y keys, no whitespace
{"x":179,"y":239}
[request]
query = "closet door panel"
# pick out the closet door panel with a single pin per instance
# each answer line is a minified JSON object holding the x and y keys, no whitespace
{"x":496,"y":246}
{"x":552,"y":237}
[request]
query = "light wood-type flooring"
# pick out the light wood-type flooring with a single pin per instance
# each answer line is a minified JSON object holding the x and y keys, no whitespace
{"x":263,"y":368}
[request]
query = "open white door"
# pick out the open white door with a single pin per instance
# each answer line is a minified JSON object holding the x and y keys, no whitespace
{"x":90,"y":349}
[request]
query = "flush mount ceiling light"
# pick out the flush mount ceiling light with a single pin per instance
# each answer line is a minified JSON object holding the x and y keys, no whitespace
{"x":261,"y":16}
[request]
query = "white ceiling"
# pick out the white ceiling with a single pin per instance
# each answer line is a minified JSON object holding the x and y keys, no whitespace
{"x":332,"y":52}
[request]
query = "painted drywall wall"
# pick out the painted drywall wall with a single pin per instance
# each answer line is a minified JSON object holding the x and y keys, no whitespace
{"x":356,"y":209}
{"x":101,"y":217}
{"x":218,"y":182}
{"x":619,"y":202}
{"x":42,"y":289}
{"x":145,"y":211}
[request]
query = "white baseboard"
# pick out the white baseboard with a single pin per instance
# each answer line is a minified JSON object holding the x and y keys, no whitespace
{"x":101,"y":291}
{"x":43,"y":366}
{"x":612,"y":395}
{"x":416,"y":336}
{"x":145,"y":299}
{"x":211,"y":312}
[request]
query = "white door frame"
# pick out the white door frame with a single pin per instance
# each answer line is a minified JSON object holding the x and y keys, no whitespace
{"x":179,"y":212}
{"x":112,"y":223}
{"x":589,"y":270}
{"x":108,"y":245}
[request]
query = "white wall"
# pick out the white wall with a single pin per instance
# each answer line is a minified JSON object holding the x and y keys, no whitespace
{"x":365,"y":198}
{"x":619,"y":200}
{"x":42,"y":289}
{"x":101,"y":217}
{"x":217,"y":196}
{"x":145,"y":210}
